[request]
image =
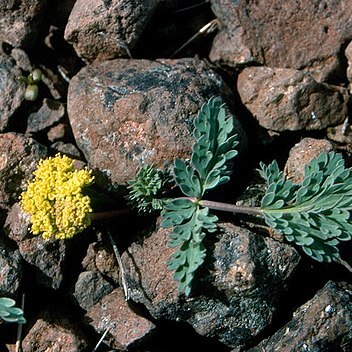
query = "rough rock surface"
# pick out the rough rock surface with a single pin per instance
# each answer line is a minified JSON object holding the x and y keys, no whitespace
{"x":348,"y":54}
{"x":240,"y":301}
{"x":57,"y":132}
{"x":126,"y":328}
{"x":304,"y":34}
{"x":20,"y":21}
{"x":302,"y":153}
{"x":66,"y":148}
{"x":19,"y":156}
{"x":54,"y":335}
{"x":287,"y":99}
{"x":127,"y":113}
{"x":340,"y":134}
{"x":22,"y":60}
{"x":102,"y":30}
{"x":51,"y":112}
{"x":17,"y":223}
{"x":47,"y":258}
{"x":321,"y":324}
{"x":11,"y":88}
{"x":102,"y":259}
{"x":90,"y":288}
{"x":10,"y":271}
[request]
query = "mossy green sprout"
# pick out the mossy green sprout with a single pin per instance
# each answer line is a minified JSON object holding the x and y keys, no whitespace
{"x":54,"y":198}
{"x":146,"y":189}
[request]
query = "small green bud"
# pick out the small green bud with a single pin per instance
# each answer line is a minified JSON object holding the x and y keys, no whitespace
{"x":36,"y":75}
{"x":31,"y":92}
{"x":23,"y":79}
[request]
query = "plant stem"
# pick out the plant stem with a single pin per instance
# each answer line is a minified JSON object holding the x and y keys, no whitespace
{"x":19,"y":330}
{"x":108,"y":214}
{"x":239,"y":209}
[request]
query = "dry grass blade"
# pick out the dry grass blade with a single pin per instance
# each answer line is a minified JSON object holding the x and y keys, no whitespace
{"x":122,"y":270}
{"x":100,"y":340}
{"x":208,"y":28}
{"x":192,"y":7}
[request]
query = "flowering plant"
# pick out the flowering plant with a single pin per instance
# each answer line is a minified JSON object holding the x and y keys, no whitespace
{"x":54,"y":198}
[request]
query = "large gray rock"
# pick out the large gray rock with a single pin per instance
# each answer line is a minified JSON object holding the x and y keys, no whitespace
{"x":306,"y":35}
{"x":129,"y":113}
{"x":47,"y":260}
{"x":50,"y":113}
{"x":289,"y":100}
{"x":90,"y":288}
{"x":101,"y":30}
{"x":10,"y":271}
{"x":324,"y":323}
{"x":235,"y":303}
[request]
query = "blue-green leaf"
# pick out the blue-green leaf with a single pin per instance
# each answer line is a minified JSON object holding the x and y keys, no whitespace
{"x":316,"y":213}
{"x":10,"y":313}
{"x":187,"y":236}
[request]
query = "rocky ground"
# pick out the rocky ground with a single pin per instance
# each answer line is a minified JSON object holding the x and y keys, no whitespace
{"x":116,"y":94}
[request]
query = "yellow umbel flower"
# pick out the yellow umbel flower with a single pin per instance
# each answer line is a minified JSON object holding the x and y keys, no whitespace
{"x":54,"y":199}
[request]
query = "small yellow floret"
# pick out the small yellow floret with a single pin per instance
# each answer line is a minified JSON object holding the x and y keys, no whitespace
{"x":54,"y":199}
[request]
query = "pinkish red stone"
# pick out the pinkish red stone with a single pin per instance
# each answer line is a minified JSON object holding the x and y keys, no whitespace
{"x":20,"y":22}
{"x":155,"y":282}
{"x":57,"y":132}
{"x":284,"y":99}
{"x":302,"y":153}
{"x":54,"y":336}
{"x":126,"y":328}
{"x":101,"y":258}
{"x":305,"y":35}
{"x":17,"y":224}
{"x":102,"y":30}
{"x":19,"y":156}
{"x":129,"y":113}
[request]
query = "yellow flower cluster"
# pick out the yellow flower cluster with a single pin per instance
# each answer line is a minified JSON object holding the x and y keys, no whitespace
{"x":54,"y":199}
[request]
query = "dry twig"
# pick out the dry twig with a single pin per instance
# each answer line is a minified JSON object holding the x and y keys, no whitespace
{"x":122,"y":270}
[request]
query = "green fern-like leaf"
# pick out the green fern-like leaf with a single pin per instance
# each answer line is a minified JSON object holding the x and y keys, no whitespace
{"x":10,"y":313}
{"x":215,"y":145}
{"x":209,"y":167}
{"x":190,"y":223}
{"x":314,"y":214}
